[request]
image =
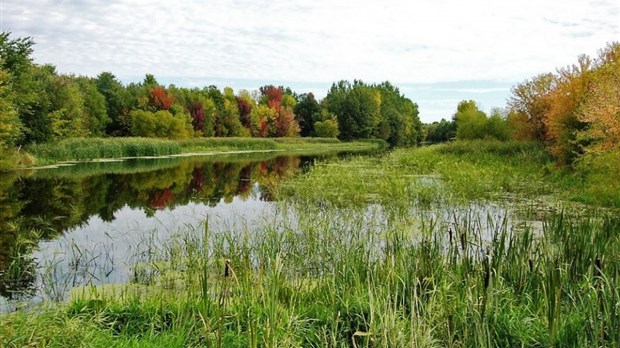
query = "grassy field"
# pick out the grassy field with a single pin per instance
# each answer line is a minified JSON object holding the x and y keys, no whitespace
{"x":458,"y":245}
{"x":87,"y":149}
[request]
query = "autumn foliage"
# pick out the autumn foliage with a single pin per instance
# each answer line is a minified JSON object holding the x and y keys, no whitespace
{"x":245,"y":109}
{"x":160,"y":99}
{"x":276,"y":118}
{"x":576,"y":110}
{"x":197,"y":111}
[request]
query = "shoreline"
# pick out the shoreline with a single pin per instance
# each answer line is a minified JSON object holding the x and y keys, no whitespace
{"x":228,"y":146}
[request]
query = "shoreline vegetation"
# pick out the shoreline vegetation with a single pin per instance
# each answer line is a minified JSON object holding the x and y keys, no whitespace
{"x":397,"y":250}
{"x":77,"y":150}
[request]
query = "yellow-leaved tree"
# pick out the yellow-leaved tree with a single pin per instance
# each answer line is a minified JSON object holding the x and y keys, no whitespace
{"x":10,"y":124}
{"x":562,"y":115}
{"x":601,"y":111}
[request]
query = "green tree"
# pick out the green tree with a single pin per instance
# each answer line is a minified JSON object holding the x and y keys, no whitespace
{"x":217,"y":98}
{"x":496,"y":126}
{"x":412,"y":126}
{"x":325,"y":125}
{"x":97,"y":118}
{"x":28,"y":83}
{"x":230,"y":118}
{"x":10,"y":124}
{"x":161,"y":124}
{"x":441,"y":131}
{"x":326,"y":129}
{"x":150,"y":81}
{"x":400,"y":124}
{"x":357,"y":107}
{"x":34,"y":104}
{"x":304,"y":111}
{"x":470,"y":122}
{"x":116,"y":102}
{"x":67,"y":108}
{"x":210,"y":116}
{"x":15,"y":54}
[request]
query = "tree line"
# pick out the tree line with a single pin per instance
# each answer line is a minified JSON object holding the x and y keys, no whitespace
{"x":575,"y":111}
{"x":39,"y":105}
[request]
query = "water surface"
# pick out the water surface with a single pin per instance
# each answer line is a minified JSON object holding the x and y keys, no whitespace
{"x":85,"y":224}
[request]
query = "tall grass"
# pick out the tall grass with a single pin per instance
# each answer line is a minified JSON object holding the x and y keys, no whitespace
{"x":93,"y":148}
{"x":84,"y":149}
{"x":431,"y":175}
{"x":356,"y":278}
{"x":361,"y":253}
{"x":211,"y":144}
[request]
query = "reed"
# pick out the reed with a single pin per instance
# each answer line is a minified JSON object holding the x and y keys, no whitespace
{"x":87,"y":149}
{"x":81,"y":149}
{"x":359,"y":253}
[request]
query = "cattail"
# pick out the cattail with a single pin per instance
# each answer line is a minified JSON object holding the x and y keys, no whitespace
{"x":487,"y":271}
{"x":227,"y":268}
{"x":463,"y":240}
{"x":599,"y":267}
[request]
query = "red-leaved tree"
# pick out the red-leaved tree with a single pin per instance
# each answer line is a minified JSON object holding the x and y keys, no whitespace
{"x":245,"y":110}
{"x":197,"y":111}
{"x":160,"y":99}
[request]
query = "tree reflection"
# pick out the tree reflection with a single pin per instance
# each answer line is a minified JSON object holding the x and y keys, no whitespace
{"x":44,"y":205}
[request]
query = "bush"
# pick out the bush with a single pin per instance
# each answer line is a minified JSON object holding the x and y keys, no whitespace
{"x":326,"y":129}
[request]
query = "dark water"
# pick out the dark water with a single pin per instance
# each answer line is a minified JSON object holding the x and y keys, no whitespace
{"x":56,"y":225}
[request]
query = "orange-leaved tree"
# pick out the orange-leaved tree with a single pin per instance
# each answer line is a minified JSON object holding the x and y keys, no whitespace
{"x":529,"y":101}
{"x":562,"y":115}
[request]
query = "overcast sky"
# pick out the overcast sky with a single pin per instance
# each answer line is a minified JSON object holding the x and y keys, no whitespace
{"x":437,"y":52}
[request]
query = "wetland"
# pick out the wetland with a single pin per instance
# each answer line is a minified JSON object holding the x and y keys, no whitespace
{"x":449,"y":245}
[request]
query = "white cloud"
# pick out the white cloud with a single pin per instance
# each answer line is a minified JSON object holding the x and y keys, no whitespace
{"x":322,"y":41}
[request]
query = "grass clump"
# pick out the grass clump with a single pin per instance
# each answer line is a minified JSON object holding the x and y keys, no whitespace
{"x":227,"y":144}
{"x":82,"y":149}
{"x":429,"y":175}
{"x":356,"y":277}
{"x":390,"y":251}
{"x":86,"y":149}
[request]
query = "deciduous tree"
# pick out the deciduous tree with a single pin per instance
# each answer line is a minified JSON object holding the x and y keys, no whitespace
{"x":529,"y":99}
{"x":10,"y":124}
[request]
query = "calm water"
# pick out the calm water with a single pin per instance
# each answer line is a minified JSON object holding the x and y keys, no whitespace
{"x":91,"y":224}
{"x":85,"y":224}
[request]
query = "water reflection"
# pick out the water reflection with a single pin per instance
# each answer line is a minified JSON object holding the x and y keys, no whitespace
{"x":103,"y":200}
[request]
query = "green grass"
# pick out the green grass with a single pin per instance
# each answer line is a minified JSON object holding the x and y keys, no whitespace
{"x":332,"y":278}
{"x":82,"y":149}
{"x":87,"y":149}
{"x":429,"y":175}
{"x":225,"y":144}
{"x":416,"y":248}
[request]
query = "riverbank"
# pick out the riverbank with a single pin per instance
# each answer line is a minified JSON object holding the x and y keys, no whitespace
{"x":99,"y":149}
{"x":462,"y":245}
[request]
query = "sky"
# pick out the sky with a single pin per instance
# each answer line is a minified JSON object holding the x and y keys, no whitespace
{"x":438,"y":52}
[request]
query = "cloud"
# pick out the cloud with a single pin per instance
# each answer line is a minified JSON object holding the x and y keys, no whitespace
{"x":319,"y":41}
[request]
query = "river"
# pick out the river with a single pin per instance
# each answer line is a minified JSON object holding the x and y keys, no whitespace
{"x":85,"y":223}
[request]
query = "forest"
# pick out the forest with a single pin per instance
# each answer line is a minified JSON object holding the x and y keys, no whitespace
{"x":40,"y":106}
{"x":575,"y":111}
